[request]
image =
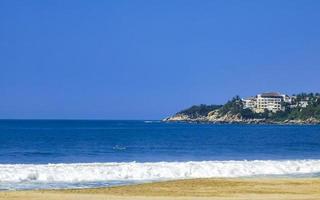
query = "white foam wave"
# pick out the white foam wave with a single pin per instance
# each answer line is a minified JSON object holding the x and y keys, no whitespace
{"x":92,"y":172}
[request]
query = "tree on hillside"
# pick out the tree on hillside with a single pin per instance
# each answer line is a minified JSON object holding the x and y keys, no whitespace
{"x":199,"y":110}
{"x":234,"y":106}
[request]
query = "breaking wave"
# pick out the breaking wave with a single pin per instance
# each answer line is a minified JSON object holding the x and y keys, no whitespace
{"x":133,"y":171}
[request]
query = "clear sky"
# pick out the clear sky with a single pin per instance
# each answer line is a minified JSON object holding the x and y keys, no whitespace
{"x":149,"y":59}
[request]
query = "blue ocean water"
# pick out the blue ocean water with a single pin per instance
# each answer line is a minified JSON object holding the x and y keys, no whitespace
{"x":80,"y":153}
{"x":68,"y":141}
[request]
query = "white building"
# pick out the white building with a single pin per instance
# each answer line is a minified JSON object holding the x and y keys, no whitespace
{"x":303,"y":104}
{"x":271,"y":101}
{"x":249,"y":102}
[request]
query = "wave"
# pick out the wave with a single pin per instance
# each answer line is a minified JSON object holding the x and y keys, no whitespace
{"x":133,"y":171}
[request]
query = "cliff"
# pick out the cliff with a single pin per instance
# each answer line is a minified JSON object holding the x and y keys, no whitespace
{"x":214,"y":117}
{"x":236,"y":119}
{"x":234,"y":112}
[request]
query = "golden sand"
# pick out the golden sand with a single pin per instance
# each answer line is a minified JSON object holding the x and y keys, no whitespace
{"x":233,"y":189}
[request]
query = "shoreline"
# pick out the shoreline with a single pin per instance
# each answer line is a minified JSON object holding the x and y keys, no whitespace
{"x":242,"y":122}
{"x":213,"y":188}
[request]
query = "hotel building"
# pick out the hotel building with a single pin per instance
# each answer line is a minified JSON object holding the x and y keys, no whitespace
{"x":271,"y":101}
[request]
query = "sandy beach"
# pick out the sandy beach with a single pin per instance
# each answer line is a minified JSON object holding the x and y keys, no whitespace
{"x":233,"y":189}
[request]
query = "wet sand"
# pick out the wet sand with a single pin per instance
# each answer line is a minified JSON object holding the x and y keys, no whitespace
{"x":233,"y":189}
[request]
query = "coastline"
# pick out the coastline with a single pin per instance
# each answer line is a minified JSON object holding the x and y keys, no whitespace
{"x":242,"y":123}
{"x":227,"y":188}
{"x":178,"y":119}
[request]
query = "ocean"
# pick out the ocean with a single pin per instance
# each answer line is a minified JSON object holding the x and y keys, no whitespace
{"x":37,"y":154}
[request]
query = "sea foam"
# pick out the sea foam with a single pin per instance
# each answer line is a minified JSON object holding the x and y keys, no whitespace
{"x":133,"y":171}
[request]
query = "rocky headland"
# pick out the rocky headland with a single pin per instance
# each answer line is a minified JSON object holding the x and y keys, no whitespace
{"x":236,"y":119}
{"x":234,"y":112}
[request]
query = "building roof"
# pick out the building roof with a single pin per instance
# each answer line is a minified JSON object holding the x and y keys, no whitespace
{"x":271,"y":95}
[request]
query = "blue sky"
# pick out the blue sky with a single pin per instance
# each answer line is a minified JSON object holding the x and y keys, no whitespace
{"x":149,"y":59}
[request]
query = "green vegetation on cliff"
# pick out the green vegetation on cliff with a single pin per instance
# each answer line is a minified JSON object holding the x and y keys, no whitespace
{"x":235,"y":106}
{"x":312,"y":110}
{"x":199,"y":111}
